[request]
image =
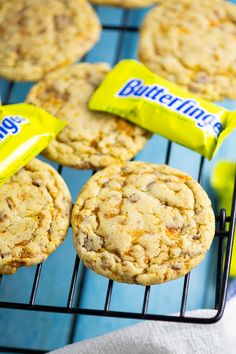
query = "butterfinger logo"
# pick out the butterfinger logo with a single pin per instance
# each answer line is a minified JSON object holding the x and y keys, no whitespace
{"x":11,"y":125}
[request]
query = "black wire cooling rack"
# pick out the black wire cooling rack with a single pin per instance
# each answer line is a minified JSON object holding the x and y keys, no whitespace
{"x":225,"y":226}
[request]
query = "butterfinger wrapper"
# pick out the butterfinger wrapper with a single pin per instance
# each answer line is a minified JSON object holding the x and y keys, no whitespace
{"x":133,"y":92}
{"x":25,"y":130}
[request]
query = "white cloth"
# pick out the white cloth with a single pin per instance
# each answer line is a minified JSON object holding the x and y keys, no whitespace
{"x":166,"y":337}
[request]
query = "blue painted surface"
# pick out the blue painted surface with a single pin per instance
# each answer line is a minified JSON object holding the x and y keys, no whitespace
{"x":43,"y":330}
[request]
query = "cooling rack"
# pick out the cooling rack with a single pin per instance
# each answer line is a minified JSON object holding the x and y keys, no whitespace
{"x":225,"y":225}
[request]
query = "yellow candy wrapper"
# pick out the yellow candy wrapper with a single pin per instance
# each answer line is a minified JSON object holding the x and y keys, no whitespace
{"x":133,"y":92}
{"x":25,"y":130}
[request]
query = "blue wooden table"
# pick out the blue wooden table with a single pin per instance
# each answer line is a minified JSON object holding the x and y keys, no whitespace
{"x":49,"y":331}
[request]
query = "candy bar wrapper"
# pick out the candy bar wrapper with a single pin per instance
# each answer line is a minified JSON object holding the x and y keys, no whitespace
{"x":133,"y":92}
{"x":25,"y":130}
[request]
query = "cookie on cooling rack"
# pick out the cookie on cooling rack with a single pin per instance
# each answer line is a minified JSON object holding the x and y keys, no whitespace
{"x":35,"y":207}
{"x":193,"y":43}
{"x":38,"y":36}
{"x":91,"y":140}
{"x":126,"y":3}
{"x":142,"y":223}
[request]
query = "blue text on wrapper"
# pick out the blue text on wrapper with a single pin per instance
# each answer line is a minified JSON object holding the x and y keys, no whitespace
{"x":187,"y":107}
{"x":10,"y":125}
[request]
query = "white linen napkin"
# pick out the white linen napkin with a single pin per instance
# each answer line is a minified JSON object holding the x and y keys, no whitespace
{"x":151,"y":337}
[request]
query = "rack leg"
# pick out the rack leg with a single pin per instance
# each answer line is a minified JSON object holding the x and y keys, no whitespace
{"x":80,"y":287}
{"x":219,"y":272}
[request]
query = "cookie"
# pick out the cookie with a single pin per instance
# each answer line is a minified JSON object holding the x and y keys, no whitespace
{"x":35,"y":207}
{"x":38,"y":36}
{"x":193,"y":44}
{"x":126,"y":3}
{"x":142,"y":223}
{"x":91,"y":140}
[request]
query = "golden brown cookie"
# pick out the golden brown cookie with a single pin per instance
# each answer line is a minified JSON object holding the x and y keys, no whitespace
{"x":38,"y":36}
{"x":193,"y":43}
{"x":142,"y":223}
{"x":91,"y":139}
{"x":126,"y":3}
{"x":35,"y":207}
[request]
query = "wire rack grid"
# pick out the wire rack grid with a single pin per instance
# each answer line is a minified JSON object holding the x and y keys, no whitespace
{"x":224,"y":235}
